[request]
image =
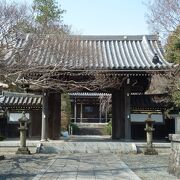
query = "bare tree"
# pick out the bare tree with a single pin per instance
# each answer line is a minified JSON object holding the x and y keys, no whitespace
{"x":13,"y":22}
{"x":105,"y":100}
{"x":54,"y":61}
{"x":39,"y":58}
{"x":58,"y":61}
{"x":164,"y":16}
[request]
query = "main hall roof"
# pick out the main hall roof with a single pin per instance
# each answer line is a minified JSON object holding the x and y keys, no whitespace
{"x":142,"y":52}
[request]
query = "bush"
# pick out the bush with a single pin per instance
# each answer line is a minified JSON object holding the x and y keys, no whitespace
{"x":75,"y":128}
{"x":108,"y":128}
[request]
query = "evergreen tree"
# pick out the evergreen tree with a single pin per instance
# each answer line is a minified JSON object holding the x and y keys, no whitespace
{"x":47,"y":12}
{"x":164,"y":17}
{"x":173,"y":47}
{"x":172,"y":54}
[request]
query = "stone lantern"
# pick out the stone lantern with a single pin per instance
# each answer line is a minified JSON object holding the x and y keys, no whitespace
{"x":23,"y":128}
{"x":149,"y":136}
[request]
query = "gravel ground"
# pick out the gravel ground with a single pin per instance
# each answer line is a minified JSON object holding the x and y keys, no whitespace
{"x":23,"y":166}
{"x":149,"y":167}
{"x":27,"y":167}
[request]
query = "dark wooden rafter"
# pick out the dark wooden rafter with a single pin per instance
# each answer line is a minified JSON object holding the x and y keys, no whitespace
{"x":71,"y":81}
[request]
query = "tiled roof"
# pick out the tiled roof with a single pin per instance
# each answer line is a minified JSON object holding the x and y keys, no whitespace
{"x":94,"y":52}
{"x":28,"y":101}
{"x":20,"y":100}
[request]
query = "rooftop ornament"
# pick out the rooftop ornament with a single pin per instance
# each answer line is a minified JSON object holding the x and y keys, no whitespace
{"x":156,"y":60}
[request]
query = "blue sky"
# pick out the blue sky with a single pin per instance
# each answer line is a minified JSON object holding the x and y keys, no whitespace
{"x":105,"y":17}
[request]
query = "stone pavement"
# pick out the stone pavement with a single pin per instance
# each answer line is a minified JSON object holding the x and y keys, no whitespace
{"x":85,"y":166}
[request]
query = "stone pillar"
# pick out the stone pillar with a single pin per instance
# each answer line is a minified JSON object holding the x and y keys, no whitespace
{"x":174,"y":160}
{"x":118,"y":114}
{"x":44,"y":126}
{"x":54,"y":120}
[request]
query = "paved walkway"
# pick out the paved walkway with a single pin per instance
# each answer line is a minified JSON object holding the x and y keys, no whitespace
{"x":85,"y":166}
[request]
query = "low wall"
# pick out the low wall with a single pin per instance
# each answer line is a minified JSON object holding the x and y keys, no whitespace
{"x":174,"y":160}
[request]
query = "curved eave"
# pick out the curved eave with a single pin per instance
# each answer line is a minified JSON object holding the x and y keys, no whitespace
{"x":115,"y":53}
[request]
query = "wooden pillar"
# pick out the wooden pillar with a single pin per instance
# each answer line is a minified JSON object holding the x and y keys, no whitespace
{"x":106,"y":115}
{"x":81,"y":112}
{"x":54,"y":119}
{"x":36,"y":122}
{"x":75,"y":110}
{"x":44,"y":126}
{"x":30,"y":124}
{"x":127,"y":95}
{"x":100,"y":111}
{"x":121,"y":125}
{"x":118,"y":115}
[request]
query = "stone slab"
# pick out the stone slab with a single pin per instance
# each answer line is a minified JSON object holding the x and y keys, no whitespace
{"x":174,"y":137}
{"x":100,"y":168}
{"x":89,"y":147}
{"x":16,"y":143}
{"x":174,"y":160}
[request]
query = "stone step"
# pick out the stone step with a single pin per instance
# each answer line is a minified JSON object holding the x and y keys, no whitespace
{"x":91,"y":129}
{"x":83,"y":144}
{"x":162,"y":148}
{"x":12,"y":150}
{"x":88,"y":147}
{"x":91,"y":125}
{"x":10,"y":147}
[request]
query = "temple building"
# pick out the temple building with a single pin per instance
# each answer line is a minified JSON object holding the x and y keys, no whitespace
{"x":86,"y":111}
{"x":121,"y":67}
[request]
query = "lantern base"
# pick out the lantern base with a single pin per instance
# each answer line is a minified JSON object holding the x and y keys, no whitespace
{"x":23,"y":150}
{"x":150,"y":151}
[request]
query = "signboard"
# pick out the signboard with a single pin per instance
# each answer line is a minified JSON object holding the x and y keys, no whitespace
{"x":142,"y":117}
{"x":14,"y":116}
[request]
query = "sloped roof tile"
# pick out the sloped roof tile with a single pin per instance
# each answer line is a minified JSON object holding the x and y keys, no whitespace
{"x":94,"y":52}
